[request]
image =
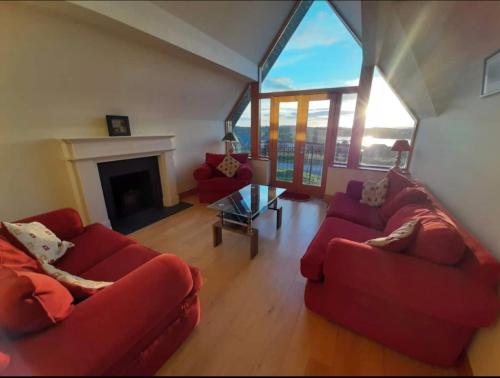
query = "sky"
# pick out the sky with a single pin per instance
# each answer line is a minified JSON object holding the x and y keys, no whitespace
{"x":323,"y":54}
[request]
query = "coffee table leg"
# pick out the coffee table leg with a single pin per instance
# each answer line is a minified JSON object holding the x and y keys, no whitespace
{"x":217,"y":232}
{"x":278,"y":217}
{"x":254,"y":243}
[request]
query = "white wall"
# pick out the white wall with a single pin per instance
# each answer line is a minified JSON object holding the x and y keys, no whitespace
{"x":456,"y":155}
{"x":60,"y":76}
{"x":338,"y":178}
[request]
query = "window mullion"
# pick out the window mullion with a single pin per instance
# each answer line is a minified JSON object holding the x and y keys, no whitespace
{"x":358,"y":126}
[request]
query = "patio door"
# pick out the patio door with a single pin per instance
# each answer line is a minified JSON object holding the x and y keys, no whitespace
{"x":301,"y":141}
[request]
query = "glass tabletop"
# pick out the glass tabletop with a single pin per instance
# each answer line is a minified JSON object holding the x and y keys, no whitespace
{"x":248,"y":201}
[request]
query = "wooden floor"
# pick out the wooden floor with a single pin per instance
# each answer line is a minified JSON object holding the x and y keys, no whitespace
{"x":254,"y":321}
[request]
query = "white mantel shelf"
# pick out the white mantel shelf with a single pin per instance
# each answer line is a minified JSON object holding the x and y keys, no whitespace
{"x":116,"y":138}
{"x":84,"y":154}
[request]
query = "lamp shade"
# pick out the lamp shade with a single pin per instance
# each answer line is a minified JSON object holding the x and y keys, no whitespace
{"x":401,"y":145}
{"x":230,"y":137}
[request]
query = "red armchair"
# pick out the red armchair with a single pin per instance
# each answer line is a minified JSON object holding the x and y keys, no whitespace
{"x":213,"y":184}
{"x":129,"y":328}
{"x":427,"y":301}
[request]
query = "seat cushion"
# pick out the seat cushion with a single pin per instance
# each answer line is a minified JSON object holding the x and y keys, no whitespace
{"x":345,"y":207}
{"x":311,"y":264}
{"x":221,"y":184}
{"x":96,"y":243}
{"x":120,"y":263}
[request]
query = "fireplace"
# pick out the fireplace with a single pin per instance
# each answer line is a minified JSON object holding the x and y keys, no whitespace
{"x":132,"y":192}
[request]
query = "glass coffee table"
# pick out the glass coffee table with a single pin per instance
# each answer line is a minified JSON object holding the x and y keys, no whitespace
{"x":238,"y":210}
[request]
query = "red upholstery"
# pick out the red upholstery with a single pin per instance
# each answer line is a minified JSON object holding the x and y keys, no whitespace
{"x":128,"y":328}
{"x":31,"y":302}
{"x":344,"y":206}
{"x":311,"y":264}
{"x":13,"y":258}
{"x":408,"y":301}
{"x":397,"y":182}
{"x":213,"y":184}
{"x":405,"y":197}
{"x":4,"y":361}
{"x":354,"y":189}
{"x":93,"y":245}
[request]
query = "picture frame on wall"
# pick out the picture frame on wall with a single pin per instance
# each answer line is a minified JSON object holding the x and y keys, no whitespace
{"x":118,"y":125}
{"x":491,"y":75}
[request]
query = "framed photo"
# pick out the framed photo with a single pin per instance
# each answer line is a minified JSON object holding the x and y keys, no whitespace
{"x":491,"y":75}
{"x":118,"y":125}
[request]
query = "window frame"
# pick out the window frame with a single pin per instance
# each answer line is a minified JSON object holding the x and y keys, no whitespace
{"x":251,"y":93}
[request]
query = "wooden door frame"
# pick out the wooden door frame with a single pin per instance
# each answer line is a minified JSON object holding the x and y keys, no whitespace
{"x":300,"y":138}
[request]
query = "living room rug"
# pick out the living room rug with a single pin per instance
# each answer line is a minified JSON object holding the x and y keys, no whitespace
{"x":295,"y":196}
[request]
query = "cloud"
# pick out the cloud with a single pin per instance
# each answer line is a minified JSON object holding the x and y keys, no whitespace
{"x":279,"y":84}
{"x":351,"y":83}
{"x":284,"y":62}
{"x":320,"y":31}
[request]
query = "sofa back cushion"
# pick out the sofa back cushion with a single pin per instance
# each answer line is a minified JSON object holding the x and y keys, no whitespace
{"x":397,"y":182}
{"x":437,"y":239}
{"x":406,"y":196}
{"x":213,"y":160}
{"x":31,"y":302}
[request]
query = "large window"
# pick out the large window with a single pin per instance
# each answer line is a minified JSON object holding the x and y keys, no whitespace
{"x":265,"y":123}
{"x":242,"y":131}
{"x":344,"y":131}
{"x":321,"y":53}
{"x":387,"y":120}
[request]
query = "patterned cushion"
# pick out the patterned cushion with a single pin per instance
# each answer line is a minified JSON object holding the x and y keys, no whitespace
{"x":399,"y":239}
{"x":374,"y":193}
{"x":79,"y":287}
{"x":229,"y":166}
{"x":39,"y":240}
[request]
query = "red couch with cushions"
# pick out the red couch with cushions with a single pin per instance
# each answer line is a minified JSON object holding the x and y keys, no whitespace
{"x":129,"y":328}
{"x":213,"y":184}
{"x":426,"y":301}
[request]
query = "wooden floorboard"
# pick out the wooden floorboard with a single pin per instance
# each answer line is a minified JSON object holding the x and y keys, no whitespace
{"x":254,"y":321}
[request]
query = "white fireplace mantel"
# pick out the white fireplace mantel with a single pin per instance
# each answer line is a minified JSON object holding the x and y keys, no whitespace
{"x":83,"y":155}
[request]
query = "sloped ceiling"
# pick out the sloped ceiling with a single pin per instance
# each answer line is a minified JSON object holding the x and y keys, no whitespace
{"x":247,"y":27}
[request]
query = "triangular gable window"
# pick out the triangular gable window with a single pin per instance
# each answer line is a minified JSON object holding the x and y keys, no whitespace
{"x":316,"y":50}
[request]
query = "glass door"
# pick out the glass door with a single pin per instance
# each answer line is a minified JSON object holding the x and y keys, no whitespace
{"x":301,"y":135}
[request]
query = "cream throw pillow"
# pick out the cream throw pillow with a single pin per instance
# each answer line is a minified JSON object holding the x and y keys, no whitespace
{"x":71,"y":279}
{"x":374,"y":193}
{"x":39,"y":240}
{"x":398,"y":240}
{"x":229,"y":166}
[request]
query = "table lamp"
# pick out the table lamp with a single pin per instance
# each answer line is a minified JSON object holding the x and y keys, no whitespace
{"x":399,"y":146}
{"x":230,"y":139}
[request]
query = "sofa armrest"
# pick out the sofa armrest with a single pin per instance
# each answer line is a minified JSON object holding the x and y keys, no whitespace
{"x":354,"y":189}
{"x":65,"y":223}
{"x":103,"y":328}
{"x":203,"y":173}
{"x":244,"y":172}
{"x":439,"y":291}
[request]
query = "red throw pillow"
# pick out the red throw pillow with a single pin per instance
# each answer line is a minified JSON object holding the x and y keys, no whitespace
{"x":14,"y":258}
{"x":399,"y":240}
{"x":31,"y":302}
{"x":405,"y":197}
{"x":4,"y":361}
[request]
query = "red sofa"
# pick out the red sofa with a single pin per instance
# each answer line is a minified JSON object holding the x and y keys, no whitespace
{"x":129,"y":328}
{"x":427,"y":301}
{"x":213,"y":184}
